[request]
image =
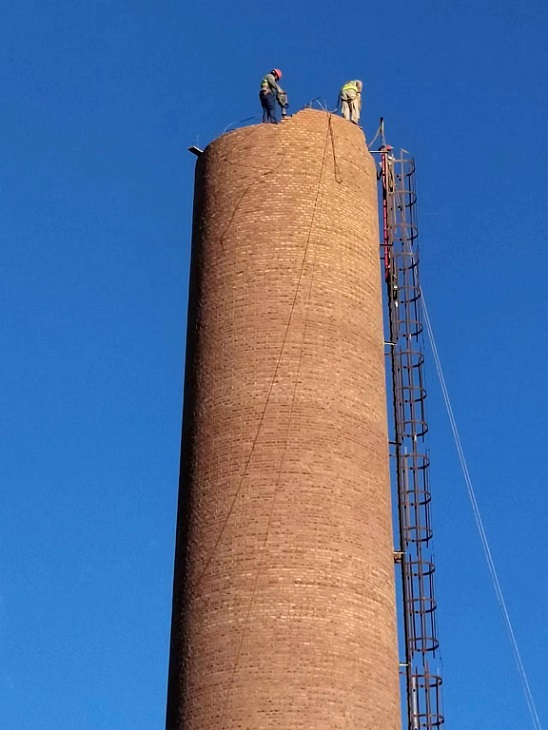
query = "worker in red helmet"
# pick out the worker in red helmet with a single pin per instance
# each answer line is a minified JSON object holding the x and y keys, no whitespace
{"x":351,"y":100}
{"x":271,"y":92}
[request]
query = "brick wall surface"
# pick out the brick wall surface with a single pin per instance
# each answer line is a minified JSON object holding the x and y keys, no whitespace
{"x":283,"y":614}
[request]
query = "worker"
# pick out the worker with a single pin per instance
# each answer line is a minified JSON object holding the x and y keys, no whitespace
{"x":386,"y":149}
{"x":271,"y":92}
{"x":351,"y":100}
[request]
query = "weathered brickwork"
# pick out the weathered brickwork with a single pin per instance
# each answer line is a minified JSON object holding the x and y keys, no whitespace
{"x":284,"y":615}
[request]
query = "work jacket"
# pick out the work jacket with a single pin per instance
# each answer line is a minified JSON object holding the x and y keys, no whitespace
{"x":270,"y":84}
{"x":350,"y":86}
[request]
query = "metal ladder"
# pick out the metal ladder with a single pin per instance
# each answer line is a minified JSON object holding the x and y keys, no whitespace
{"x":410,"y":461}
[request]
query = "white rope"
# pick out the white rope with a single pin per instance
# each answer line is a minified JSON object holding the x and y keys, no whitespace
{"x":479,"y":522}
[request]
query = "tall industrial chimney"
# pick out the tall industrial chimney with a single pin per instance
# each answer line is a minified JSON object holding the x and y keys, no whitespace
{"x":284,"y":610}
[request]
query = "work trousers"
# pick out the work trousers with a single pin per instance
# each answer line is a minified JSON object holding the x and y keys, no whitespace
{"x":351,"y":105}
{"x":268,"y":104}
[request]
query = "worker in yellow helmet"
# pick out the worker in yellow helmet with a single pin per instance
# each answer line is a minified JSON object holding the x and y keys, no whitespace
{"x":351,"y":100}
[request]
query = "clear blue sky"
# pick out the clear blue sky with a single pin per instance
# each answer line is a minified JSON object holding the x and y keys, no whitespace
{"x":100,"y":99}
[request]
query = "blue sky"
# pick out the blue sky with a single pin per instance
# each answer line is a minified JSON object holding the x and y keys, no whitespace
{"x":100,"y":100}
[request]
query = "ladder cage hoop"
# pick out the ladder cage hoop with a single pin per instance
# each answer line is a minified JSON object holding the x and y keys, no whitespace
{"x":400,"y":254}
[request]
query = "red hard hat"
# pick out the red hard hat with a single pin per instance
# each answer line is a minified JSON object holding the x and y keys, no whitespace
{"x":277,"y":72}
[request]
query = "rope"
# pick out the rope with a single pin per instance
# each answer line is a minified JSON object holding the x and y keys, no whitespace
{"x":238,"y":124}
{"x":338,"y":176}
{"x":379,"y":130}
{"x":286,"y":441}
{"x":241,"y":200}
{"x":269,"y":393}
{"x":320,"y":101}
{"x":479,"y":522}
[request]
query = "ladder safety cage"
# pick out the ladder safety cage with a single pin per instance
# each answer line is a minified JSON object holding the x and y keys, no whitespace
{"x":399,"y":254}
